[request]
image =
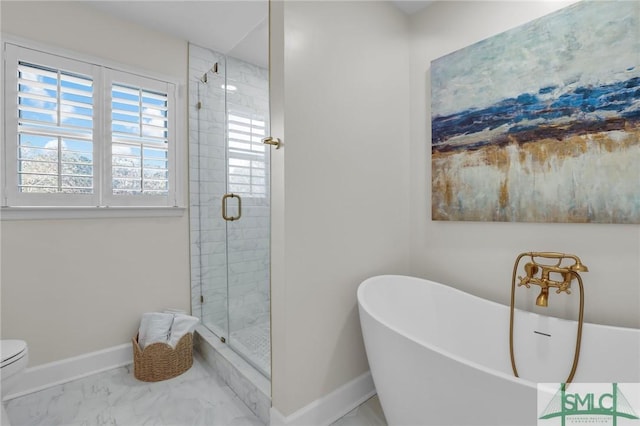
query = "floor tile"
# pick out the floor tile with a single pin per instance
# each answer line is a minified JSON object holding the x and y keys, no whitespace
{"x":368,"y":414}
{"x":115,"y":397}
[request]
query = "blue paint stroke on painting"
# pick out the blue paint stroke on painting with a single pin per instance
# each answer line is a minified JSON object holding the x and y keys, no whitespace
{"x":531,"y":117}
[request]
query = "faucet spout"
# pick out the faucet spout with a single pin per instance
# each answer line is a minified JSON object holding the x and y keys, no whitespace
{"x":543,"y":298}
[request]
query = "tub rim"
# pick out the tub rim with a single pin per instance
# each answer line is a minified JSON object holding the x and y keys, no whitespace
{"x":362,"y":304}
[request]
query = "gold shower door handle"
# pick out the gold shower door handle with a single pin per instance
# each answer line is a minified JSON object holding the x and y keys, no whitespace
{"x":225,"y":197}
{"x":272,"y":141}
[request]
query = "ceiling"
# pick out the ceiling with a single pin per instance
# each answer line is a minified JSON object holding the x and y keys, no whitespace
{"x":235,"y":27}
{"x":238,"y":28}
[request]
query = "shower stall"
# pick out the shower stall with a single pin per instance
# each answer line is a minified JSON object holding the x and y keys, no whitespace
{"x":230,"y":201}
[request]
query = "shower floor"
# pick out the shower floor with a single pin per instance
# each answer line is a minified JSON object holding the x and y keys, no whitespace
{"x":255,"y":343}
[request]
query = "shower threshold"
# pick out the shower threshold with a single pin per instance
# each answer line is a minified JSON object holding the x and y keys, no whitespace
{"x":251,"y":386}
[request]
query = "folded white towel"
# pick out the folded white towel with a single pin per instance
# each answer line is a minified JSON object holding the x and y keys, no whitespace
{"x":154,"y":327}
{"x":182,"y":324}
{"x":175,"y":311}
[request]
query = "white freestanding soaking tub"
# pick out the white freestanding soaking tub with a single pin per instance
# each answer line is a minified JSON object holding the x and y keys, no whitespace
{"x":439,"y":356}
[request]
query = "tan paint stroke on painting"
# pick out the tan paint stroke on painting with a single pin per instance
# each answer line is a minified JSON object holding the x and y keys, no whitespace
{"x":583,"y":178}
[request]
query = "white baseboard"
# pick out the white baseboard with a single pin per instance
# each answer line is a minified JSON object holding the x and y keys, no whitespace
{"x":328,"y":409}
{"x":55,"y":373}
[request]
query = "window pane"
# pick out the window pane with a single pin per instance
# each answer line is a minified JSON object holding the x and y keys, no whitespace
{"x":44,"y":166}
{"x":126,"y":185}
{"x":53,"y":96}
{"x":140,"y":170}
{"x":76,"y":101}
{"x":35,"y":147}
{"x":77,"y":167}
{"x":136,"y":111}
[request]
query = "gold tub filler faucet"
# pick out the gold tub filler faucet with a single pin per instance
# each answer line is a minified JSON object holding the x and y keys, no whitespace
{"x":549,"y":270}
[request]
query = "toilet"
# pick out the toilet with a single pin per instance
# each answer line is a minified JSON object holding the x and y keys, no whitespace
{"x":15,"y":356}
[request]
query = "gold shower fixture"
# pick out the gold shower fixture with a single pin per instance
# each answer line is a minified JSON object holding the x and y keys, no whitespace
{"x":552,"y":273}
{"x":565,"y":273}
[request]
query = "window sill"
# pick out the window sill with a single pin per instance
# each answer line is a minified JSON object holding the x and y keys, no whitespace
{"x":48,"y":213}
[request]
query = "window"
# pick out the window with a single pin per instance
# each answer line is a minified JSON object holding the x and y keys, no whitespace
{"x":55,"y":137}
{"x":247,"y":162}
{"x":139,"y":154}
{"x":81,"y":134}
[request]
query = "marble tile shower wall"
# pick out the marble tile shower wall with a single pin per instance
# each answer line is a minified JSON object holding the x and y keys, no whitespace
{"x":246,"y":264}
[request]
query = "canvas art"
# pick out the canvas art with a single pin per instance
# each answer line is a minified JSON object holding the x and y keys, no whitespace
{"x":541,"y":123}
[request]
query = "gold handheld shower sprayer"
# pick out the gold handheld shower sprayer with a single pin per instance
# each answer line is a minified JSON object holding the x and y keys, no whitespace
{"x":540,"y":274}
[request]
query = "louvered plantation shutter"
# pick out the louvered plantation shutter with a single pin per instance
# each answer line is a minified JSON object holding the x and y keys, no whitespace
{"x":51,"y":157}
{"x":141,"y":148}
{"x":82,"y":134}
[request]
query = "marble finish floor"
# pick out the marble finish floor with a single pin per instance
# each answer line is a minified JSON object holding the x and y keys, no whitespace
{"x":368,"y":414}
{"x":115,"y":397}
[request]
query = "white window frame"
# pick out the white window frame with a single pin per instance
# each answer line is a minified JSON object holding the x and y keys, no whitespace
{"x":21,"y":205}
{"x":111,"y":199}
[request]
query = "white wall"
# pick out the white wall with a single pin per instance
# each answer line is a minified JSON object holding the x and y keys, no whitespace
{"x":74,"y":286}
{"x":478,"y":257}
{"x":340,"y":184}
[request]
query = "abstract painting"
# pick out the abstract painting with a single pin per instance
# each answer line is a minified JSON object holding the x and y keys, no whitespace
{"x":541,"y":123}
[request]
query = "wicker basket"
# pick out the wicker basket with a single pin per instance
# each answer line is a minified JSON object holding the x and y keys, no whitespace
{"x":159,"y":361}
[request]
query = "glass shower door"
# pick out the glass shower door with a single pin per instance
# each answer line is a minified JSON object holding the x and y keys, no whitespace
{"x":248,"y":239}
{"x":211,"y":158}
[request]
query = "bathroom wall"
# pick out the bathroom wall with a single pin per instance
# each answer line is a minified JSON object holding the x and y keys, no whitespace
{"x":73,"y":286}
{"x":340,"y":184}
{"x":478,"y":257}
